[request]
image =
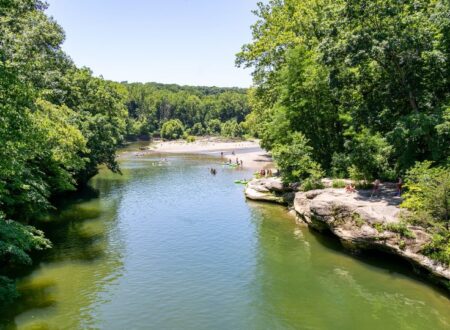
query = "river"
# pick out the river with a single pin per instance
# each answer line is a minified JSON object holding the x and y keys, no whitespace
{"x":166,"y":245}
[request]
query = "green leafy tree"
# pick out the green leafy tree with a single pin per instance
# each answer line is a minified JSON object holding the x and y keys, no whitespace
{"x":334,"y":69}
{"x":428,"y":193}
{"x":232,"y":129}
{"x":427,"y":199}
{"x":172,"y":129}
{"x":58,"y":123}
{"x":16,"y":242}
{"x":370,"y":153}
{"x":294,"y":160}
{"x":214,"y":126}
{"x":197,"y":129}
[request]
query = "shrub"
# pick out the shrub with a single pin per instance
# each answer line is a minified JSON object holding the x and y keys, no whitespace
{"x":340,"y":163}
{"x":16,"y":242}
{"x":439,"y":248}
{"x":400,"y":228}
{"x":379,"y":227}
{"x":369,"y":156}
{"x":294,"y":161}
{"x":311,"y":184}
{"x":355,"y":174}
{"x":363,"y":185}
{"x":428,"y":194}
{"x":214,"y":126}
{"x":197,"y":129}
{"x":339,"y":184}
{"x":190,"y":138}
{"x":358,"y":220}
{"x":172,"y":129}
{"x":232,"y":129}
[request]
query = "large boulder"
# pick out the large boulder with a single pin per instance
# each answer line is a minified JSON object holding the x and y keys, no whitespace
{"x":267,"y":190}
{"x":263,"y":196}
{"x":267,"y":185}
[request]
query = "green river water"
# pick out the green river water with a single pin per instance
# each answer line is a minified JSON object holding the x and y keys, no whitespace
{"x":168,"y":246}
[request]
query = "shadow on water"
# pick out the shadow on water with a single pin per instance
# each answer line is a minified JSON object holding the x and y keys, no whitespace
{"x":79,"y":230}
{"x":34,"y":295}
{"x":382,"y":260}
{"x":308,"y":278}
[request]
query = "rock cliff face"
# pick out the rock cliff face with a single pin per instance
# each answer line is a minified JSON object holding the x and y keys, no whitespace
{"x":361,"y":222}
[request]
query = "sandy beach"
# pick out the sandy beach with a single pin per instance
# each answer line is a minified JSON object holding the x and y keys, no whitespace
{"x":248,"y":151}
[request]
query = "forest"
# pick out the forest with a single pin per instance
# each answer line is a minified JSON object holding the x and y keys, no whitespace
{"x":173,"y":111}
{"x":358,"y":89}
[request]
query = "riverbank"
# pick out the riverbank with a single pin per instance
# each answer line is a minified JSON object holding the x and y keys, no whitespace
{"x":251,"y":154}
{"x":358,"y":220}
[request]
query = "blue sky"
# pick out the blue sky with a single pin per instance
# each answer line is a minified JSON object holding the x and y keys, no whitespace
{"x":190,"y":42}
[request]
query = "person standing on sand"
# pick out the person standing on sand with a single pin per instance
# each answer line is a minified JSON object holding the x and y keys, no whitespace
{"x":242,"y":163}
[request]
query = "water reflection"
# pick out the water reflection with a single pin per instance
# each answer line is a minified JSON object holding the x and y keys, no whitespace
{"x":68,"y":280}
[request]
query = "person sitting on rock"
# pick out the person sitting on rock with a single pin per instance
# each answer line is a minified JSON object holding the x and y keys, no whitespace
{"x":349,"y":188}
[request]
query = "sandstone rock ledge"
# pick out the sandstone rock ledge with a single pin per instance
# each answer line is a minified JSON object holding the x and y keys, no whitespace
{"x":359,"y":221}
{"x":268,"y":190}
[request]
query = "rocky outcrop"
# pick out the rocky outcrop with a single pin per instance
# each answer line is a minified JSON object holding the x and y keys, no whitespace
{"x":361,"y":222}
{"x":268,"y":190}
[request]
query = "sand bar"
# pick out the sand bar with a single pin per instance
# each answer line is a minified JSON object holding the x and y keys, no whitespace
{"x":252,"y":155}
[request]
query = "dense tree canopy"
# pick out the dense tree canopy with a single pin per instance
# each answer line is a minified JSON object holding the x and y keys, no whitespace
{"x":366,"y":82}
{"x":57,"y":124}
{"x":201,"y":110}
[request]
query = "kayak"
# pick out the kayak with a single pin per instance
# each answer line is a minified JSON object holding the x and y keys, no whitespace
{"x":241,"y":181}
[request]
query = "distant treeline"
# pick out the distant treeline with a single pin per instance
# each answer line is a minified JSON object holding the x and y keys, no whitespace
{"x":166,"y":110}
